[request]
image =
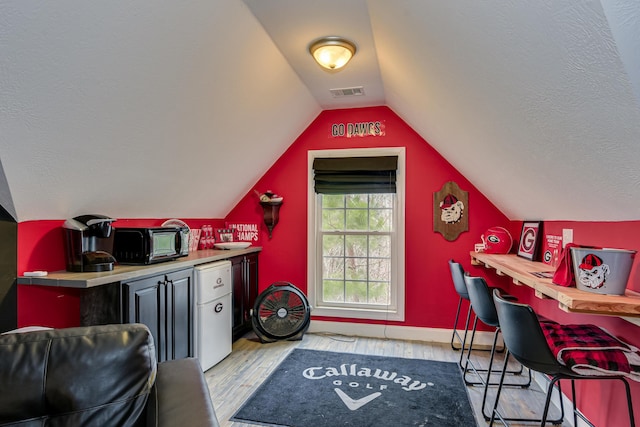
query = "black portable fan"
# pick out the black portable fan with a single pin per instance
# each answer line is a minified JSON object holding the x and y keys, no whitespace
{"x":281,"y":312}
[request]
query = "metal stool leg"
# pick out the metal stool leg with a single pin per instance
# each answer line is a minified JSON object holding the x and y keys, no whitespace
{"x":464,"y":337}
{"x":488,"y":382}
{"x":575,"y":407}
{"x":547,"y":402}
{"x":468,"y":349}
{"x":469,"y":366}
{"x":632,"y":419}
{"x":455,"y":331}
{"x":577,"y":414}
{"x":496,"y":414}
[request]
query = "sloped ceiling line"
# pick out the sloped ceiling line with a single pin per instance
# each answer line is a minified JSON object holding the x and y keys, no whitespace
{"x":623,"y":17}
{"x":119,"y":107}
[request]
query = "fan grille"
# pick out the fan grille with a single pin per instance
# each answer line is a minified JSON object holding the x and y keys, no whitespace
{"x":281,"y":312}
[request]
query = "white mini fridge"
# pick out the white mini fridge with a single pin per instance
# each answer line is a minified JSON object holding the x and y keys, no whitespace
{"x":213,"y":313}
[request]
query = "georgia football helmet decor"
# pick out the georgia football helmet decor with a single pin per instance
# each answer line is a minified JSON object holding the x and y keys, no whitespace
{"x":497,"y":240}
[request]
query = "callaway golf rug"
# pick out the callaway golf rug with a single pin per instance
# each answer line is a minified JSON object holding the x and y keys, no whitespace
{"x":326,"y":389}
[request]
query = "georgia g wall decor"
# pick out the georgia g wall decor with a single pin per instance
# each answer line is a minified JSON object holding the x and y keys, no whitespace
{"x":529,"y":239}
{"x":450,"y":211}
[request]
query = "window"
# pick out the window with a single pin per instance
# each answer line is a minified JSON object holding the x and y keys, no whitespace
{"x":356,"y":233}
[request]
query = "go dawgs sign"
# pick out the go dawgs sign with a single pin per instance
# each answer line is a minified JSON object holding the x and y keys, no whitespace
{"x":350,"y":130}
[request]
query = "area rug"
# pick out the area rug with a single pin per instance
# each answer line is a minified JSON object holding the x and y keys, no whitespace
{"x":313,"y":388}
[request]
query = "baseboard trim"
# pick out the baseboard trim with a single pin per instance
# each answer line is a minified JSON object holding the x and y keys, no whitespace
{"x":482,"y":339}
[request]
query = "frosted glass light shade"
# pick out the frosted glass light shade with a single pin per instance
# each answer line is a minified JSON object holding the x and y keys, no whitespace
{"x":332,"y":53}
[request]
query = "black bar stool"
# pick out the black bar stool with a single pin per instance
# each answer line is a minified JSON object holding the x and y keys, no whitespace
{"x":457,"y":275}
{"x":525,"y":340}
{"x":485,"y":310}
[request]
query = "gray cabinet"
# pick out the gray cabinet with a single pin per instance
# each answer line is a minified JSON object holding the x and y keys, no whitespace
{"x":165,"y":304}
{"x":162,"y":296}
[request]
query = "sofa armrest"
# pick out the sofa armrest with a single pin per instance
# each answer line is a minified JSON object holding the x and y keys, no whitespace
{"x":183,"y":397}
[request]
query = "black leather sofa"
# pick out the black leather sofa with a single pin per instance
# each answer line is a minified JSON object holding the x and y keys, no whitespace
{"x":98,"y":376}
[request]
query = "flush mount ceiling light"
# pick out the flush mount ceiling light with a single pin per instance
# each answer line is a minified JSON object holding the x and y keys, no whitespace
{"x":332,"y":52}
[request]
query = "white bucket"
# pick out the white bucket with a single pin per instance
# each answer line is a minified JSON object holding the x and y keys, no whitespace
{"x":602,"y":271}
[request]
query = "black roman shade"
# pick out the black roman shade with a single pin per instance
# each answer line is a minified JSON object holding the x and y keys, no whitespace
{"x":355,"y":175}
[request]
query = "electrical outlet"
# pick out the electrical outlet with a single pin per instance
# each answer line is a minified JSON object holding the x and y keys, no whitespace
{"x":567,"y":236}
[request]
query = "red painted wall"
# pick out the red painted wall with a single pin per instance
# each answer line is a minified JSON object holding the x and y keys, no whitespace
{"x":41,"y":247}
{"x":603,"y":402}
{"x":430,"y":298}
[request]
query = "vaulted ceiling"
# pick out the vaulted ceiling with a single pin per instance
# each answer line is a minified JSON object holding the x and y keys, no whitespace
{"x":158,"y":109}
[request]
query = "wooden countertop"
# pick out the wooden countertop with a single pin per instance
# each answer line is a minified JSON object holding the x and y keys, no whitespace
{"x":122,"y":273}
{"x":570,"y":299}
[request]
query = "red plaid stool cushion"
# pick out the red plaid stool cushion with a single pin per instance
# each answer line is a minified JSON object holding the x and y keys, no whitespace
{"x":591,"y":350}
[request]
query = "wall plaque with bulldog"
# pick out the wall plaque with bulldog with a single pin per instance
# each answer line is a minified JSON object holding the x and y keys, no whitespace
{"x":450,"y":211}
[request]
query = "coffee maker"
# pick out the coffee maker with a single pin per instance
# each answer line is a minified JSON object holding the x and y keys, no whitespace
{"x":89,"y":243}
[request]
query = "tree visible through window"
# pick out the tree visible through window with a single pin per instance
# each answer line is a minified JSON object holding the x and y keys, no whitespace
{"x":356,"y":234}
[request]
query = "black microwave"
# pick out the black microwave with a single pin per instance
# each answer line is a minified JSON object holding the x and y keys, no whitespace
{"x":149,"y":245}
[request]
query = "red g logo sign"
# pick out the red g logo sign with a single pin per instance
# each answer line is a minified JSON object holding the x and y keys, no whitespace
{"x":529,"y":240}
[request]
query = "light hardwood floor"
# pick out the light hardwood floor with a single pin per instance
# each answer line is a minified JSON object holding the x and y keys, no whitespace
{"x":234,"y":379}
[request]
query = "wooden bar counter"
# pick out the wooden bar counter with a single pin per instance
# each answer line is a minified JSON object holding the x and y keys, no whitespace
{"x":570,"y":299}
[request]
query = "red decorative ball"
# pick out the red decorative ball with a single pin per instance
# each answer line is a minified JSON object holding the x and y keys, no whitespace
{"x":497,"y":240}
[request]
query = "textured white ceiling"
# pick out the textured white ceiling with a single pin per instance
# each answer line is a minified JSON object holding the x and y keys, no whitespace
{"x":174,"y":109}
{"x":141,"y":109}
{"x":623,"y":17}
{"x":294,"y":24}
{"x":533,"y":101}
{"x":530,"y":100}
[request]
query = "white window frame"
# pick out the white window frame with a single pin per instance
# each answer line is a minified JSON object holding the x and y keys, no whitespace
{"x":314,"y":282}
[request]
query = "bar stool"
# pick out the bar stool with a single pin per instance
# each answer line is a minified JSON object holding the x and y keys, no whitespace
{"x":457,"y":275}
{"x":525,"y":340}
{"x":482,"y":302}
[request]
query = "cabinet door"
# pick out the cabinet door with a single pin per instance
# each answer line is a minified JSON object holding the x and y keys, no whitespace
{"x":180,"y":295}
{"x":251,"y":281}
{"x":237,"y":266}
{"x":244,"y":270}
{"x":144,"y":303}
